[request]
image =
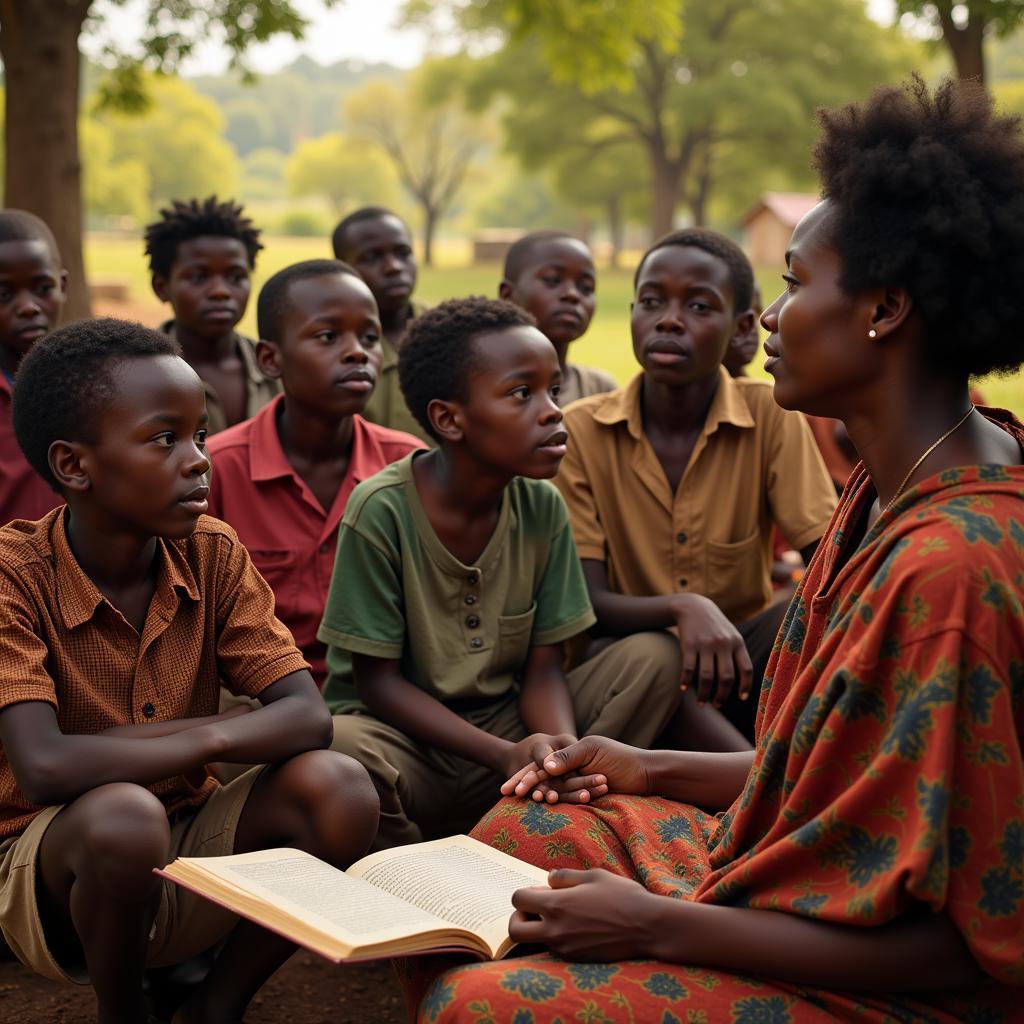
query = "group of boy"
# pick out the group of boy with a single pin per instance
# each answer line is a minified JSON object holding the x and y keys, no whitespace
{"x":384,"y":568}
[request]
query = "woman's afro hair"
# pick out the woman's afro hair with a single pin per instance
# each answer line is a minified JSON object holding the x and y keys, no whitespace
{"x":927,"y":194}
{"x":438,"y":353}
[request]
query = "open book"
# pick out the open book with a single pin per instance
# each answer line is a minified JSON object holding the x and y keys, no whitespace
{"x":450,"y":894}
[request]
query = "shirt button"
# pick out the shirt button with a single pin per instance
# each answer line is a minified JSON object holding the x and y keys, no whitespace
{"x":471,"y":599}
{"x":472,"y":578}
{"x":681,"y":537}
{"x":472,"y":621}
{"x":682,"y":583}
{"x":476,"y":643}
{"x":148,"y":710}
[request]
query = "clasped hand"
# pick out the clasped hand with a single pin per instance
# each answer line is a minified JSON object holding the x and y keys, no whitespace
{"x":580,"y":772}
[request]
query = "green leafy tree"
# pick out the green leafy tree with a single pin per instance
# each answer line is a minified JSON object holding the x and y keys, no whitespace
{"x":343,"y":171}
{"x":39,"y":44}
{"x":430,"y":140}
{"x":964,"y":25}
{"x":750,"y":70}
{"x":179,"y":139}
{"x":263,"y":175}
{"x":112,"y":187}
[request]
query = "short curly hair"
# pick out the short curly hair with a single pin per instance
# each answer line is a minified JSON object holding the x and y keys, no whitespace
{"x":22,"y":226}
{"x":517,"y":259}
{"x":273,"y":302}
{"x":715,"y":244}
{"x":198,"y":218}
{"x":438,"y":353}
{"x":67,"y":380}
{"x":926,"y":193}
{"x":339,"y":237}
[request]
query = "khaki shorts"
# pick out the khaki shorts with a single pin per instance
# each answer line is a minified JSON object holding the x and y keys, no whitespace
{"x":185,"y":924}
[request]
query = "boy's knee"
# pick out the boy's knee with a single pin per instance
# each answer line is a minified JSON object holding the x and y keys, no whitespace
{"x":331,"y":786}
{"x":124,"y":832}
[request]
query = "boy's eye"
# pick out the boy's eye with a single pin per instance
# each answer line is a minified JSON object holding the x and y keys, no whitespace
{"x":791,"y":282}
{"x":647,"y":301}
{"x":371,"y":338}
{"x":522,"y":392}
{"x":556,"y":390}
{"x":325,"y":336}
{"x":700,"y":307}
{"x":45,"y":287}
{"x":586,"y":287}
{"x":551,"y":280}
{"x":201,"y":436}
{"x":165,"y":440}
{"x":6,"y":295}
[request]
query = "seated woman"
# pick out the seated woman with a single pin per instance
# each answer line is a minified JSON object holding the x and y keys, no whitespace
{"x":870,"y":863}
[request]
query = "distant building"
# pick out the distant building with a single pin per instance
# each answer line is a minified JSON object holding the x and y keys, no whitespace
{"x":768,"y":227}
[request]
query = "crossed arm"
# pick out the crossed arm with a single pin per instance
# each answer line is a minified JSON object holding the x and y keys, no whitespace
{"x":52,"y":767}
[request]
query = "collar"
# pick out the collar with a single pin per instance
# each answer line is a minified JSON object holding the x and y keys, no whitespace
{"x":728,"y":406}
{"x":267,"y":460}
{"x":79,"y":597}
{"x":245,"y":348}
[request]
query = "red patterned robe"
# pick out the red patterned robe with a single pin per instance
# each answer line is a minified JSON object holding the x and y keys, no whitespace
{"x":888,"y":776}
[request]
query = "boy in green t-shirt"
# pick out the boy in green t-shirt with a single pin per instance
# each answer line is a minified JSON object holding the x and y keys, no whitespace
{"x":456,"y":583}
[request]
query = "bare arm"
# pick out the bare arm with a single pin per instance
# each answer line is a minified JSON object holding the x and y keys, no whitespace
{"x":149,"y":732}
{"x":595,"y":915}
{"x":51,"y":767}
{"x":544,"y":701}
{"x":714,"y":657}
{"x":389,"y":696}
{"x":710,"y":780}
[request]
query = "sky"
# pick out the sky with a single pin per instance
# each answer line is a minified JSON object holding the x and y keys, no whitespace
{"x":353,"y":29}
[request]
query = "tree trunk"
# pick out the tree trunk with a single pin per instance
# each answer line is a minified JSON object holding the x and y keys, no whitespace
{"x":39,"y":45}
{"x":615,"y":231}
{"x":966,"y":44}
{"x":665,"y":181}
{"x":429,"y":224}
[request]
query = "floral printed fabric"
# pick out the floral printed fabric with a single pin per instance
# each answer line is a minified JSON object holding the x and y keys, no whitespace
{"x":888,"y":775}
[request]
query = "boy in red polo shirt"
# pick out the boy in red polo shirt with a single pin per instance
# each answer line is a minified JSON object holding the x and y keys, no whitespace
{"x":32,"y":290}
{"x":282,"y":479}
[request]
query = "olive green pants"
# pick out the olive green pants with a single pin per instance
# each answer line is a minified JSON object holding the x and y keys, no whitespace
{"x":628,"y":691}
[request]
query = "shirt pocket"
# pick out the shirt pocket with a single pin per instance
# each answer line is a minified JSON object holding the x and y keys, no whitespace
{"x":735,"y":577}
{"x":279,"y":567}
{"x":514,"y":632}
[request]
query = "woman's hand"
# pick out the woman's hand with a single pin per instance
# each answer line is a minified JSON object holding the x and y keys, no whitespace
{"x":587,"y":915}
{"x":595,"y":765}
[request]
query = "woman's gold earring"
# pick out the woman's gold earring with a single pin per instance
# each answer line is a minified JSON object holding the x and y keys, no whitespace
{"x":872,"y":333}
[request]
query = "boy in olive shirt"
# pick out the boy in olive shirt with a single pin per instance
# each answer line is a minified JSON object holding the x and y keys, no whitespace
{"x":457,"y":582}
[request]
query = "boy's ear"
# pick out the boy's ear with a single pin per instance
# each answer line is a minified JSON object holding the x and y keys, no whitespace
{"x":891,"y":307}
{"x":66,"y":464}
{"x":160,"y":289}
{"x":268,"y":357}
{"x":505,"y":290}
{"x":742,"y":325}
{"x":446,"y":419}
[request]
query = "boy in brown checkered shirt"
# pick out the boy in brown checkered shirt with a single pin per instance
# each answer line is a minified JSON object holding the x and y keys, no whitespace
{"x":119,"y":617}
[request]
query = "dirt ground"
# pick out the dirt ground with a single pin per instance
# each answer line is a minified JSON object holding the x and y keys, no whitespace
{"x":307,"y":990}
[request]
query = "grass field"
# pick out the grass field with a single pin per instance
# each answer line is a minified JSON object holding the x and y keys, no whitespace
{"x":605,"y":345}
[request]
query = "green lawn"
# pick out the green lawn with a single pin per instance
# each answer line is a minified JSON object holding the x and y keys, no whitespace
{"x":605,"y":345}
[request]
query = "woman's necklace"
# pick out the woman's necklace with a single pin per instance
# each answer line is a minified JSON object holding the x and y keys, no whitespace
{"x":913,"y":469}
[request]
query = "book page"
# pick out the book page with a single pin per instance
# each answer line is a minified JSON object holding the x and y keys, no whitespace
{"x":321,"y":895}
{"x":460,"y":880}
